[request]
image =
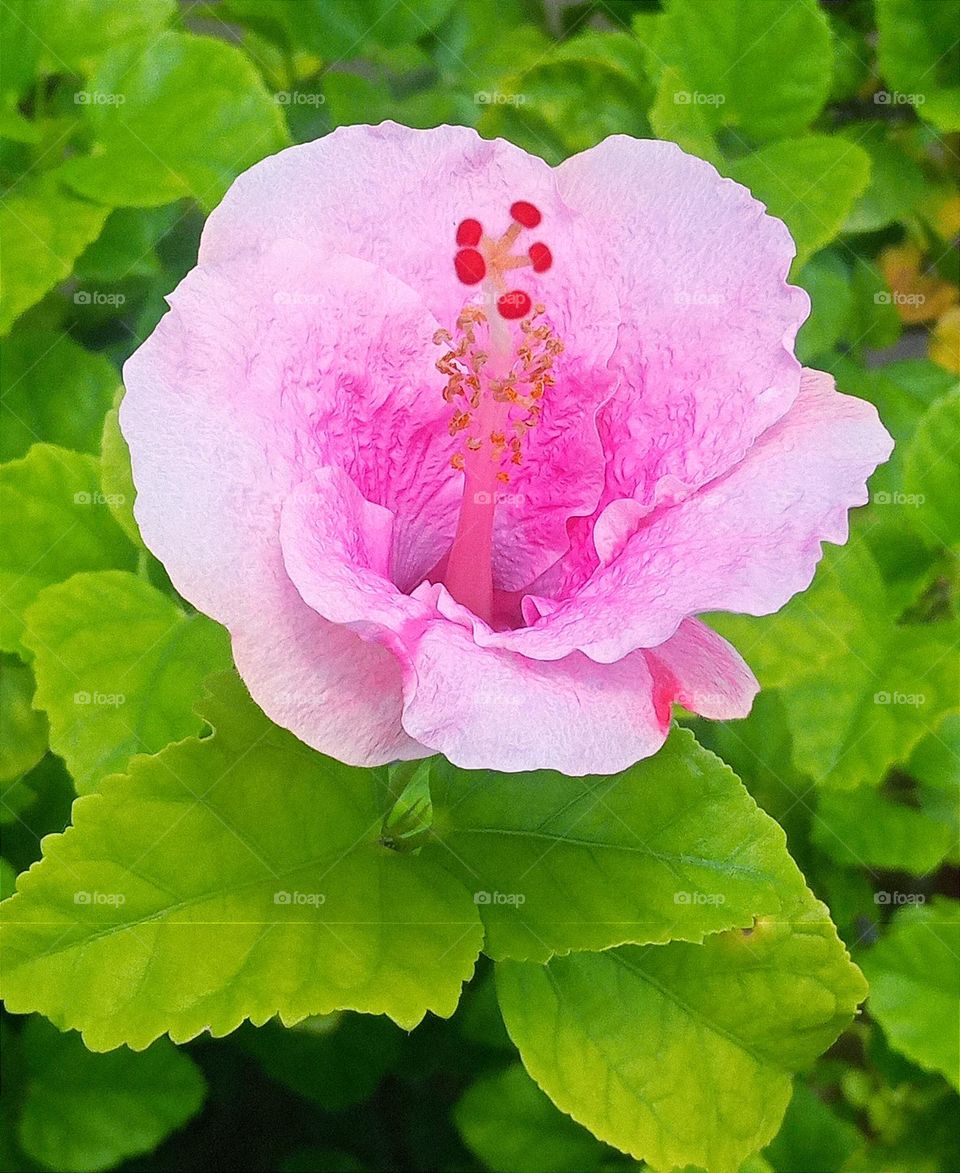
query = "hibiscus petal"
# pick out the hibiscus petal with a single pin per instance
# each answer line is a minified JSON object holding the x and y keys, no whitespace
{"x":337,"y":551}
{"x":229,"y":404}
{"x":491,"y":709}
{"x":482,"y":707}
{"x":747,"y":542}
{"x":273,"y":364}
{"x":705,"y":350}
{"x":705,"y":674}
{"x":394,"y":196}
{"x":335,"y":691}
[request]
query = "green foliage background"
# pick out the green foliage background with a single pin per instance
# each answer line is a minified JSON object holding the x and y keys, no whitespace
{"x":122,"y":123}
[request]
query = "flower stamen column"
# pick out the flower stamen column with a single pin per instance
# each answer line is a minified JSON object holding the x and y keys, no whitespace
{"x":499,"y":370}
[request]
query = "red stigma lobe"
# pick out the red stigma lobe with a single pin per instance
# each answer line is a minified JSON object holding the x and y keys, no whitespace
{"x":469,"y":233}
{"x":480,"y":257}
{"x":515,"y":304}
{"x":525,"y":213}
{"x":470,"y":265}
{"x":540,"y":257}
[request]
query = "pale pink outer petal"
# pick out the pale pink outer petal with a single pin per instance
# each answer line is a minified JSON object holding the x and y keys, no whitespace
{"x":496,"y":708}
{"x":705,"y":352}
{"x":747,"y":542}
{"x":490,"y":709}
{"x":700,"y":670}
{"x":337,"y":692}
{"x":225,"y":415}
{"x":394,"y":196}
{"x":337,"y":551}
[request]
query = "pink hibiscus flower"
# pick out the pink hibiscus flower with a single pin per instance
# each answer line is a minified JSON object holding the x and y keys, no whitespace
{"x":458,"y":445}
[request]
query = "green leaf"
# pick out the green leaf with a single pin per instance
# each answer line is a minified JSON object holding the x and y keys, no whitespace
{"x":919,"y":58}
{"x":53,"y":523}
{"x":335,"y":1062}
{"x":479,"y":1017}
{"x":85,"y":1112}
{"x":411,"y":815}
{"x":117,"y":476}
{"x":867,"y":829}
{"x":897,"y":184}
{"x":352,"y":100}
{"x":671,"y":849}
{"x":77,"y":34}
{"x":54,"y":390}
{"x":759,"y":750}
{"x":33,"y":807}
{"x":125,"y":248}
{"x":782,"y":646}
{"x":15,"y":798}
{"x":762,"y":72}
{"x":874,"y":321}
{"x":851,"y":65}
{"x":44,"y":229}
{"x":849,"y":730}
{"x":229,"y":877}
{"x":119,"y":669}
{"x":812,"y":1138}
{"x":17,"y":129}
{"x":8,"y":879}
{"x":24,"y":729}
{"x":683,"y":1054}
{"x":920,"y":1139}
{"x":674,"y":116}
{"x":810,"y":183}
{"x":339,"y":29}
{"x":932,"y":471}
{"x":478,"y":43}
{"x":860,"y":688}
{"x":512,"y":1127}
{"x":188,"y":115}
{"x":936,"y":760}
{"x":19,"y":47}
{"x":915,"y":985}
{"x":827,"y":279}
{"x":903,"y":393}
{"x":850,"y":897}
{"x":581,"y":91}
